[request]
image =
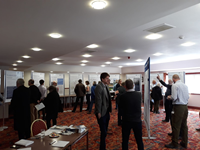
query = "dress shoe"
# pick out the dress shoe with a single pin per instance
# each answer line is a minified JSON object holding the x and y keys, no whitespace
{"x":164,"y":121}
{"x":158,"y":113}
{"x":198,"y":129}
{"x":183,"y":145}
{"x":171,"y":146}
{"x":170,"y":134}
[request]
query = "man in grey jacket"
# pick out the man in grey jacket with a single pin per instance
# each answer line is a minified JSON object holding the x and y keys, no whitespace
{"x":103,"y":107}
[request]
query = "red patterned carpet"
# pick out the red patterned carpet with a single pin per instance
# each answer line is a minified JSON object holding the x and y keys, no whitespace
{"x":158,"y":130}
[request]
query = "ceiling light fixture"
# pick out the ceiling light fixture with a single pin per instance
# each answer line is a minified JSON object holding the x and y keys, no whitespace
{"x":84,"y":61}
{"x":36,"y":49}
{"x":19,"y":61}
{"x":120,"y":66}
{"x":139,"y":60}
{"x":26,"y":56}
{"x":153,"y":36}
{"x":128,"y":64}
{"x":55,"y":35}
{"x":83,"y":64}
{"x":55,"y":59}
{"x":98,"y":4}
{"x":14,"y":64}
{"x":92,"y":46}
{"x":59,"y":63}
{"x":51,"y":71}
{"x":115,"y":58}
{"x":108,"y":62}
{"x":157,"y":54}
{"x":32,"y":70}
{"x":103,"y":65}
{"x":129,"y":50}
{"x":188,"y":44}
{"x":87,"y":55}
{"x":14,"y":68}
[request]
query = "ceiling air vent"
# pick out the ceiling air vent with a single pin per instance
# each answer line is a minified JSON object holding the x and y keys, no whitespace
{"x":160,"y":28}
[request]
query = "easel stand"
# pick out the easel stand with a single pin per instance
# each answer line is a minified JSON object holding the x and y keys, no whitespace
{"x":3,"y":127}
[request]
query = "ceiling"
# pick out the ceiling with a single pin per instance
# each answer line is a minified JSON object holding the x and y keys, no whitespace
{"x":119,"y":26}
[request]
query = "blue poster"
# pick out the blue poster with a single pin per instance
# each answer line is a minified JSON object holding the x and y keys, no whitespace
{"x":60,"y":81}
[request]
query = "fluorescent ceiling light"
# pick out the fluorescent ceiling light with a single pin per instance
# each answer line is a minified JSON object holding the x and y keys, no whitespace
{"x":36,"y":49}
{"x":103,"y":65}
{"x":55,"y":35}
{"x":115,"y":58}
{"x":26,"y":56}
{"x":83,"y":64}
{"x":153,"y":36}
{"x":55,"y":59}
{"x":14,"y":64}
{"x":19,"y":61}
{"x":87,"y":55}
{"x":158,"y":54}
{"x":14,"y":68}
{"x":98,"y":4}
{"x":59,"y":63}
{"x":188,"y":44}
{"x":108,"y":62}
{"x":129,"y":50}
{"x":92,"y":46}
{"x":84,"y":61}
{"x":120,"y":66}
{"x":139,"y":60}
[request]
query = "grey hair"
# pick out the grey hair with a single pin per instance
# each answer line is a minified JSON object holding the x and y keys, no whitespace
{"x":20,"y":81}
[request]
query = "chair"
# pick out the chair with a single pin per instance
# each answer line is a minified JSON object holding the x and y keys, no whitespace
{"x":37,"y":125}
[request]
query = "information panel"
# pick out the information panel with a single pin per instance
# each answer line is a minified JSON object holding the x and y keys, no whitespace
{"x":180,"y":74}
{"x":153,"y":76}
{"x":73,"y":80}
{"x":113,"y":78}
{"x":37,"y":76}
{"x":10,"y":83}
{"x":59,"y":78}
{"x":137,"y":80}
{"x":93,"y":77}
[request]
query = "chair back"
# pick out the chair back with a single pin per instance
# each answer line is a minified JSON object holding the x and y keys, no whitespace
{"x":36,"y":126}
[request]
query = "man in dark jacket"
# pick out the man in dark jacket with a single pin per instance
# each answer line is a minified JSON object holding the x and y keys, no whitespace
{"x":20,"y":104}
{"x":156,"y":94}
{"x":130,"y":102}
{"x":80,"y":92}
{"x":35,"y":99}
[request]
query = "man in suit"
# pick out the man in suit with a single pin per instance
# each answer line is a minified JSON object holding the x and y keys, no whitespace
{"x":156,"y":95}
{"x":80,"y":92}
{"x":20,"y":103}
{"x":103,"y":107}
{"x":130,"y":103}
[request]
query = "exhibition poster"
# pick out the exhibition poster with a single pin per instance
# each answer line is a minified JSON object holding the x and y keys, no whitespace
{"x":59,"y":78}
{"x":73,"y":80}
{"x":37,"y":76}
{"x":137,"y":80}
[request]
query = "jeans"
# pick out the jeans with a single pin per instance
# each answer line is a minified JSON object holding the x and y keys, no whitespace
{"x":91,"y":104}
{"x":88,"y":100}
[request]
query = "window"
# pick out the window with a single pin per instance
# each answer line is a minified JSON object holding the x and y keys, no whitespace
{"x":192,"y":81}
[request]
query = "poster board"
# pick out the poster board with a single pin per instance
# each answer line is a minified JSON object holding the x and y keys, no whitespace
{"x":153,"y":76}
{"x":180,"y":74}
{"x":137,"y":80}
{"x":113,"y":78}
{"x":73,"y":80}
{"x":37,"y":76}
{"x":60,"y":79}
{"x":93,"y":77}
{"x":10,"y":78}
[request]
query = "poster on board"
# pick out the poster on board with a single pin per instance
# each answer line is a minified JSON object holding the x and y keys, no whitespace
{"x":113,"y":78}
{"x":137,"y":80}
{"x":37,"y":76}
{"x":153,"y":76}
{"x":93,"y":77}
{"x":180,"y":74}
{"x":10,"y":78}
{"x":59,"y":78}
{"x":73,"y":80}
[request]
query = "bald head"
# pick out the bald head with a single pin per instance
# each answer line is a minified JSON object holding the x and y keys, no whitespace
{"x":175,"y":78}
{"x":170,"y":82}
{"x":154,"y":82}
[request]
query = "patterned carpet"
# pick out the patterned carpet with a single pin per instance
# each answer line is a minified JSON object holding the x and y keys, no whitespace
{"x":114,"y":139}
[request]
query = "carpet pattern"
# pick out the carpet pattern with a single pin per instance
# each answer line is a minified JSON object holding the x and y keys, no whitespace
{"x":114,"y":138}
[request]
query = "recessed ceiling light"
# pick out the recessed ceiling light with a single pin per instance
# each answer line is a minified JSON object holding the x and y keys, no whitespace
{"x":108,"y":62}
{"x":14,"y":64}
{"x":55,"y":35}
{"x":26,"y":56}
{"x":14,"y":68}
{"x":55,"y":59}
{"x":51,"y":71}
{"x":59,"y":63}
{"x":115,"y":58}
{"x":32,"y":70}
{"x":82,"y":72}
{"x":188,"y":44}
{"x":87,"y":55}
{"x":103,"y":65}
{"x":19,"y":61}
{"x":82,"y":64}
{"x":129,"y":50}
{"x":98,"y":4}
{"x":139,"y":60}
{"x":96,"y":72}
{"x":92,"y":46}
{"x":36,"y":49}
{"x":158,"y":54}
{"x":84,"y":61}
{"x":153,"y":36}
{"x":67,"y":71}
{"x":128,"y":64}
{"x":120,"y":66}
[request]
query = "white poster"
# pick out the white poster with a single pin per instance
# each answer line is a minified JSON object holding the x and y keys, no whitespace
{"x":180,"y":74}
{"x":73,"y":80}
{"x":153,"y":76}
{"x":93,"y":77}
{"x":137,"y":80}
{"x":59,"y":78}
{"x":11,"y":78}
{"x":37,"y":76}
{"x":113,"y":78}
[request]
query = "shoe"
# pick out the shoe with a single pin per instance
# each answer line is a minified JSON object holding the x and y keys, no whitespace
{"x":179,"y":138}
{"x":164,"y":121}
{"x":158,"y":113}
{"x":171,"y":146}
{"x":170,"y":134}
{"x":183,"y":145}
{"x":89,"y":113}
{"x":198,"y":129}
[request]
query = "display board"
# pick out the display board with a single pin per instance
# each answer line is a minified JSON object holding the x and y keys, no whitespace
{"x":73,"y":80}
{"x":191,"y":81}
{"x":93,"y":77}
{"x":137,"y":80}
{"x":180,"y":74}
{"x":113,"y":78}
{"x":37,"y":76}
{"x":153,"y":76}
{"x":10,"y":79}
{"x":60,"y":79}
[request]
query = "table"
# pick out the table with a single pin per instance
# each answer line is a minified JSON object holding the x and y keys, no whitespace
{"x":71,"y":98}
{"x":43,"y":144}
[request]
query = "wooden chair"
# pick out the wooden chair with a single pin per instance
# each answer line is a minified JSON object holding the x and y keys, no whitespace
{"x":37,"y":125}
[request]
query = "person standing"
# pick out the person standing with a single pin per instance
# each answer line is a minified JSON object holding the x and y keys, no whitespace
{"x":20,"y":103}
{"x":152,"y":101}
{"x":35,"y":99}
{"x":43,"y":91}
{"x":103,"y":107}
{"x":80,"y":92}
{"x":54,"y":83}
{"x":119,"y":83}
{"x":88,"y":94}
{"x":130,"y":103}
{"x":156,"y":95}
{"x":179,"y":97}
{"x":92,"y":96}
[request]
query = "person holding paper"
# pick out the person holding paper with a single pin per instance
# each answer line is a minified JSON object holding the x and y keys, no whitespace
{"x":20,"y":104}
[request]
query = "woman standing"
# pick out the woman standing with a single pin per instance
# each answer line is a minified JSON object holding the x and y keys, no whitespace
{"x":88,"y":93}
{"x":92,"y":96}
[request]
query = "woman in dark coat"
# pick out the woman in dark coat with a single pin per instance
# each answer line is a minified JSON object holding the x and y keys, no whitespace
{"x":51,"y":103}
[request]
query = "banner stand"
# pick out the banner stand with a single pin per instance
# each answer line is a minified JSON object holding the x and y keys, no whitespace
{"x":3,"y":127}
